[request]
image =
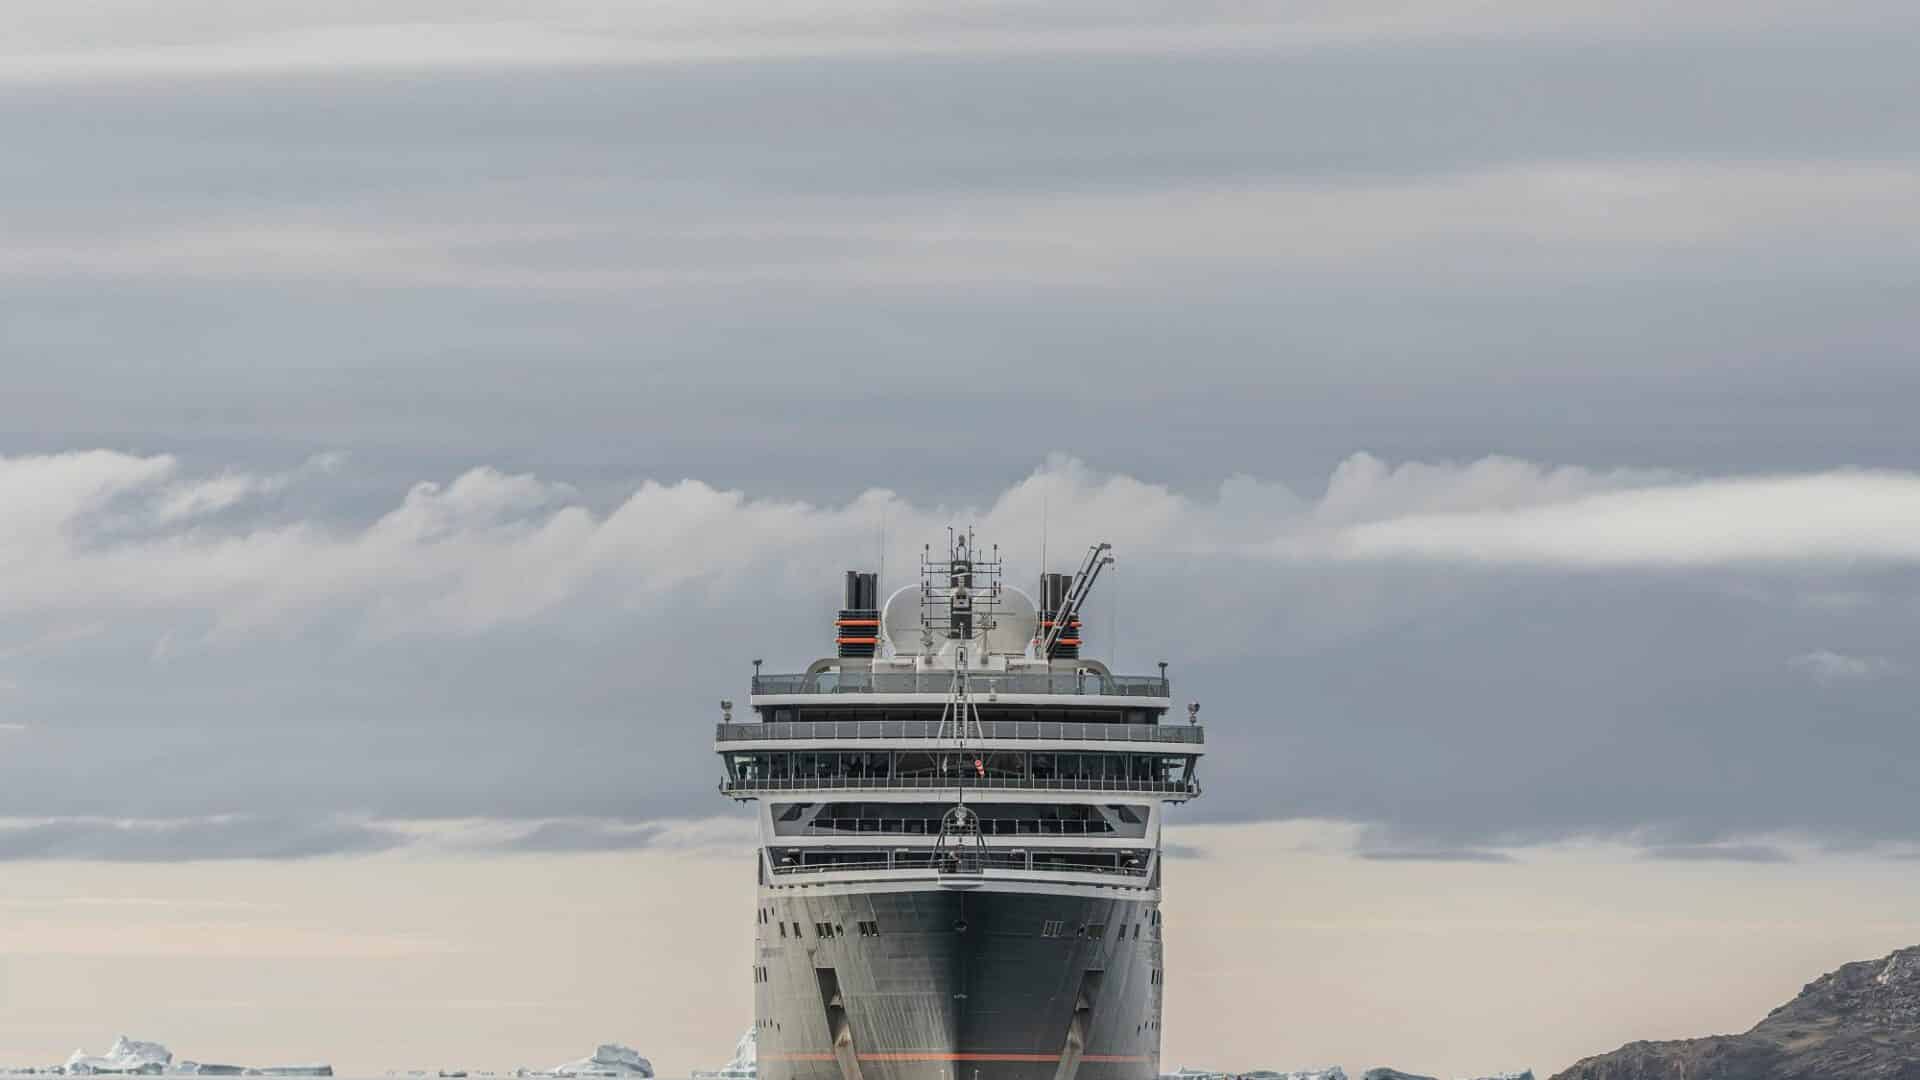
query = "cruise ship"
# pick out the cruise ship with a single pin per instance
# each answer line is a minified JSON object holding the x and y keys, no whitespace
{"x":959,"y":866}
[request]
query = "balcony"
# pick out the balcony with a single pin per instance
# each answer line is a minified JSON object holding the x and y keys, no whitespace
{"x":980,"y":682}
{"x":854,"y":730}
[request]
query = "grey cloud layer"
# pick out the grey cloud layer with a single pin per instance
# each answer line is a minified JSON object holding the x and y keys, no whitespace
{"x":811,"y":250}
{"x":233,"y":837}
{"x":185,"y":643}
{"x":1573,"y":233}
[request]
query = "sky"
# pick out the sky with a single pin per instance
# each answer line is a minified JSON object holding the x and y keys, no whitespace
{"x":416,"y":417}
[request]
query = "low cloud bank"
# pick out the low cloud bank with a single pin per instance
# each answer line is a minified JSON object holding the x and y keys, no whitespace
{"x":1474,"y":656}
{"x":97,"y":532}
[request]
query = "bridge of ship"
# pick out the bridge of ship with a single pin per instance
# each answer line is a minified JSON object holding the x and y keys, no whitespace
{"x":857,"y":779}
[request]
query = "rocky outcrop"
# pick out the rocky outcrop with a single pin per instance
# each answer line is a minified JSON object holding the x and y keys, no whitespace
{"x":1861,"y":1022}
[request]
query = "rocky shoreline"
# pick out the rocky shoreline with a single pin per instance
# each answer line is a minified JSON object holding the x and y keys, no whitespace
{"x":1860,"y":1022}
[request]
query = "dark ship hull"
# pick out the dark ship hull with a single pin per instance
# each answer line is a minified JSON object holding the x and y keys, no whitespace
{"x":957,"y":984}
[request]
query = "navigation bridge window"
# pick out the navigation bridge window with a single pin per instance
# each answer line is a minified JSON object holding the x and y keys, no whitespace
{"x":993,"y":819}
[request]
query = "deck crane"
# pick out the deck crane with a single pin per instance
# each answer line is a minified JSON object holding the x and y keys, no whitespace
{"x":1098,"y":558}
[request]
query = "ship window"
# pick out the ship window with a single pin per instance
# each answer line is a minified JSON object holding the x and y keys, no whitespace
{"x":777,"y":766}
{"x":1096,"y":931}
{"x":1045,"y":766}
{"x":914,"y":764}
{"x":796,"y":928}
{"x":1052,"y":928}
{"x":783,"y":930}
{"x":1006,"y":764}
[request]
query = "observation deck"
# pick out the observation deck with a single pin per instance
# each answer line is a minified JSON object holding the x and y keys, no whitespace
{"x":1085,"y":682}
{"x":907,"y":731}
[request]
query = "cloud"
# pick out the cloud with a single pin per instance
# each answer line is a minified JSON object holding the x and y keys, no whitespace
{"x":285,"y":657}
{"x":1440,"y":855}
{"x":1744,"y":853}
{"x":579,"y":836}
{"x":1833,"y":518}
{"x":1587,"y":219}
{"x":207,"y":39}
{"x":1827,"y":666}
{"x":491,"y":547}
{"x":282,"y":837}
{"x":232,"y":837}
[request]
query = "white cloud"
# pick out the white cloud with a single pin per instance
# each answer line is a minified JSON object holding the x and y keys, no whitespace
{"x":1830,"y":518}
{"x":1826,"y":666}
{"x":490,"y":547}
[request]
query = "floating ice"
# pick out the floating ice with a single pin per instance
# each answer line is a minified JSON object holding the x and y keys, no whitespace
{"x":125,"y":1057}
{"x":611,"y":1059}
{"x":745,"y":1064}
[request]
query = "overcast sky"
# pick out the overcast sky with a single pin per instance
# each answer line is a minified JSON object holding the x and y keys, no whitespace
{"x":417,"y":415}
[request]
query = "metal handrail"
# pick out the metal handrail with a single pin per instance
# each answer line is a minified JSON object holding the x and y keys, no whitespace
{"x":934,"y":783}
{"x":988,"y":827}
{"x":913,"y":682}
{"x":1190,"y":734}
{"x":990,"y":860}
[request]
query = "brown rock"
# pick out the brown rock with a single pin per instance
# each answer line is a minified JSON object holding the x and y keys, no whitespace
{"x":1861,"y":1022}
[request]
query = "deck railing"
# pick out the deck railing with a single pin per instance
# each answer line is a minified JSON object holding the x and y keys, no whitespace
{"x":859,"y":827}
{"x":1191,"y":734}
{"x":979,"y":682}
{"x":964,"y":861}
{"x":949,"y":783}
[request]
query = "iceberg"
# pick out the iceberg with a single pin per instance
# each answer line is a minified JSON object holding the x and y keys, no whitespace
{"x":125,"y":1057}
{"x":745,"y":1064}
{"x":611,"y":1059}
{"x":292,"y":1070}
{"x":1331,"y":1072}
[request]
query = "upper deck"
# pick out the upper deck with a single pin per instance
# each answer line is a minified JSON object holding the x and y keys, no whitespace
{"x":1086,"y":681}
{"x":963,"y":684}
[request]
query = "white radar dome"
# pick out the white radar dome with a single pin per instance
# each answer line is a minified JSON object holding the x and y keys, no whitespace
{"x":1015,"y":622}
